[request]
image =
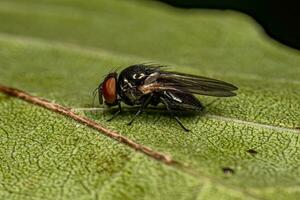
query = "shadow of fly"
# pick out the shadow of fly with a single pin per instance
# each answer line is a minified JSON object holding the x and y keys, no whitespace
{"x":150,"y":84}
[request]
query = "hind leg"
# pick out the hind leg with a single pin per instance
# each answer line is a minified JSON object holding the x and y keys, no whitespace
{"x":166,"y":103}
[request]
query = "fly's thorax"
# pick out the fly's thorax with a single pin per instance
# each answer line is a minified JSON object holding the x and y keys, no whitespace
{"x":128,"y":86}
{"x":128,"y":91}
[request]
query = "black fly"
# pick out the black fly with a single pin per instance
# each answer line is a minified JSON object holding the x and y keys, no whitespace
{"x":146,"y":84}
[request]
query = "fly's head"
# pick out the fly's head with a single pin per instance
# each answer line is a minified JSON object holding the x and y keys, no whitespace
{"x":107,"y":90}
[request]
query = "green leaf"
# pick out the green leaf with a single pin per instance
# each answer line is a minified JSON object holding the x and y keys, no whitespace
{"x":61,"y":50}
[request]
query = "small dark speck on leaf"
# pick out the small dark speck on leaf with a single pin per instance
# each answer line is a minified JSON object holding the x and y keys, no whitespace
{"x":298,"y":128}
{"x":252,"y":151}
{"x":228,"y":170}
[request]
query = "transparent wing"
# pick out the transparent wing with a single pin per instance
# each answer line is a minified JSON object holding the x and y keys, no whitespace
{"x":168,"y":80}
{"x":197,"y":84}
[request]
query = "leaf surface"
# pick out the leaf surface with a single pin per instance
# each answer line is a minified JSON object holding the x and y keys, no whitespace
{"x":61,"y":50}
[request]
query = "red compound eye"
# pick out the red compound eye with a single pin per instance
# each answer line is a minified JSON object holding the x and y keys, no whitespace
{"x":109,"y":90}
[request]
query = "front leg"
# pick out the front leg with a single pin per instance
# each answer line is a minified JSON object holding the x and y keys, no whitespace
{"x":116,"y":113}
{"x":141,"y":109}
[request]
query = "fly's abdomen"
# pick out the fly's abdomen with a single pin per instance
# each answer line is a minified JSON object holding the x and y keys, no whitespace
{"x":182,"y":101}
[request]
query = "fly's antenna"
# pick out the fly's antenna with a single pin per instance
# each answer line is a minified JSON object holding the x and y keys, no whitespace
{"x":94,"y":95}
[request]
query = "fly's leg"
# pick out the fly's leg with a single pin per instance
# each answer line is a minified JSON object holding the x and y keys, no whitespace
{"x":116,"y":113}
{"x":141,"y":109}
{"x":172,"y":114}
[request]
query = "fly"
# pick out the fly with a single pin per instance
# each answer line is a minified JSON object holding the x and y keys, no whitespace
{"x":147,"y":84}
